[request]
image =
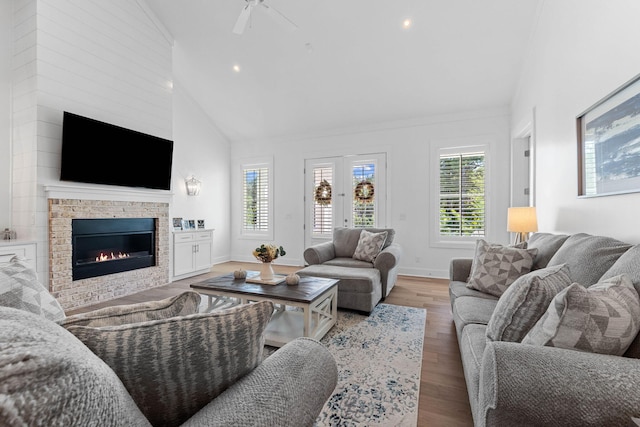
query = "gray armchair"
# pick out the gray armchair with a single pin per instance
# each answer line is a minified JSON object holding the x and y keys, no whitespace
{"x":362,"y":284}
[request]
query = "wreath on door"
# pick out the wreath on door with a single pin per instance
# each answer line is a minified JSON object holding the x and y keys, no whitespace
{"x":364,"y":192}
{"x":323,"y":193}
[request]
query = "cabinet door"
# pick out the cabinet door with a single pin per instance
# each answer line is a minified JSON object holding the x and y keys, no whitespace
{"x":183,"y":255}
{"x":203,"y":255}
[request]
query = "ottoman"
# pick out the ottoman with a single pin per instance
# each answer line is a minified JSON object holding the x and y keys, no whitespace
{"x":359,"y":288}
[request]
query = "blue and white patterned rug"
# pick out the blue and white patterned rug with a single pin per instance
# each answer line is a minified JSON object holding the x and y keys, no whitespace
{"x":379,"y":358}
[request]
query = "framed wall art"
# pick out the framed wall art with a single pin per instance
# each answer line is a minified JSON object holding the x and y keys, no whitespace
{"x":609,"y":144}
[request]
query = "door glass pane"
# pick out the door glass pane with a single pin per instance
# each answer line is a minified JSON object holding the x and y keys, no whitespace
{"x":323,"y":201}
{"x":363,"y":194}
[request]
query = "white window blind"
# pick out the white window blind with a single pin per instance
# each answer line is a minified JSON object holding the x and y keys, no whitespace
{"x":323,"y":208}
{"x":364,"y":182}
{"x":255,"y":203}
{"x":462,"y":194}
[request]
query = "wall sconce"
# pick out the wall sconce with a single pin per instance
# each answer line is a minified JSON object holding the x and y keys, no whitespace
{"x":522,"y":221}
{"x":193,"y":186}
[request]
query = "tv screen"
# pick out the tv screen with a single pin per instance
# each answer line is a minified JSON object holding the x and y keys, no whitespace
{"x":101,"y":153}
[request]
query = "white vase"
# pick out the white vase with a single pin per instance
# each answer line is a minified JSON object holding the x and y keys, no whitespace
{"x":266,"y":271}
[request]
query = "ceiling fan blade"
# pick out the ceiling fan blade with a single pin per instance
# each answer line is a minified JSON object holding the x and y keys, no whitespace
{"x":241,"y":23}
{"x":278,"y":16}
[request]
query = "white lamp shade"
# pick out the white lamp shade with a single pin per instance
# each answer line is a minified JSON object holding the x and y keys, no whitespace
{"x":522,"y":220}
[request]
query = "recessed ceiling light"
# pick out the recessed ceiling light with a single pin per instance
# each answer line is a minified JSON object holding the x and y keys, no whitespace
{"x":407,"y":23}
{"x":236,"y":68}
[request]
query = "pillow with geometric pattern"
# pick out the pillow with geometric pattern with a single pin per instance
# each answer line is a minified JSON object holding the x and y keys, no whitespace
{"x":604,"y":318}
{"x":369,"y":245}
{"x":20,"y":288}
{"x":495,"y":267}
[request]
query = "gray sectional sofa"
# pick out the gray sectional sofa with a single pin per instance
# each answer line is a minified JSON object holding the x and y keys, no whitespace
{"x":513,"y":383}
{"x":362,"y":283}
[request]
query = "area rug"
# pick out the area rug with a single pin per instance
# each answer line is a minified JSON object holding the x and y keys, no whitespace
{"x":379,"y":358}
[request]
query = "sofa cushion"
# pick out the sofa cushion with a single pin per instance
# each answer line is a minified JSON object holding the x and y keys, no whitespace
{"x":495,"y":267}
{"x":369,"y":245}
{"x":629,"y":264}
{"x":49,"y":378}
{"x":471,"y":310}
{"x":345,"y":240}
{"x":605,"y":318}
{"x":180,"y":305}
{"x":588,"y":257}
{"x":524,"y":303}
{"x":20,"y":288}
{"x":547,"y":245}
{"x":348,"y":262}
{"x":472,"y":345}
{"x":174,"y":367}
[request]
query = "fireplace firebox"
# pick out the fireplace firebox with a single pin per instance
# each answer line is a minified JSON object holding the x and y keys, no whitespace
{"x":112,"y":245}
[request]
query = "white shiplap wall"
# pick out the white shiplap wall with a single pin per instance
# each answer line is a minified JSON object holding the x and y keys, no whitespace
{"x":6,"y":53}
{"x":24,"y":118}
{"x":104,"y":60}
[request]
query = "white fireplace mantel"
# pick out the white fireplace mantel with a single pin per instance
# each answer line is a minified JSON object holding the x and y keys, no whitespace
{"x":126,"y":194}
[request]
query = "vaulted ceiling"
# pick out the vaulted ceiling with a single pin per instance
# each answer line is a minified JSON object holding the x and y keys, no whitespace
{"x":349,"y":64}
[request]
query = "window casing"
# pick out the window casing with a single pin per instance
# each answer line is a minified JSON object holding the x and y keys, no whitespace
{"x":459,"y":214}
{"x":257,"y":200}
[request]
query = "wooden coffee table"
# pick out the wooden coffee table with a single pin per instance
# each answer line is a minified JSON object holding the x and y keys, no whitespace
{"x":316,"y":299}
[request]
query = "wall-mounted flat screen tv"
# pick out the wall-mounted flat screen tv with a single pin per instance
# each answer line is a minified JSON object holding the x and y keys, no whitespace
{"x":101,"y":153}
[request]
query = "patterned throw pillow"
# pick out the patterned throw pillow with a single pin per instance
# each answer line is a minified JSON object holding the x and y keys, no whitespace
{"x":525,"y":301}
{"x":20,"y":288}
{"x":495,"y":267}
{"x":369,"y":245}
{"x":604,"y":318}
{"x":174,"y":367}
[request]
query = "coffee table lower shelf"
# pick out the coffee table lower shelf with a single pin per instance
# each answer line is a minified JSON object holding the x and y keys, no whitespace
{"x":291,"y":319}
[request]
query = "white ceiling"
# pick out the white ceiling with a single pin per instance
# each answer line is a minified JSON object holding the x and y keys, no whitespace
{"x":361,"y":69}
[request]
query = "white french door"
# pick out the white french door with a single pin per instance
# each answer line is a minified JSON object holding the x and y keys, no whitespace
{"x":347,"y":191}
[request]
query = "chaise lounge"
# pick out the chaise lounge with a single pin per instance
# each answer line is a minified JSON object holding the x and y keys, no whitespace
{"x":365,"y":278}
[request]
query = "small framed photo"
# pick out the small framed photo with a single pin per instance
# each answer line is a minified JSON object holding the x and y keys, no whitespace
{"x":192,"y":224}
{"x":177,"y":224}
{"x":185,"y":224}
{"x":201,"y":224}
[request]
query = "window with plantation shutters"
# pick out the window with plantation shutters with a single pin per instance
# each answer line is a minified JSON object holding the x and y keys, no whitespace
{"x":462,"y":194}
{"x":256,"y":199}
{"x":363,"y":200}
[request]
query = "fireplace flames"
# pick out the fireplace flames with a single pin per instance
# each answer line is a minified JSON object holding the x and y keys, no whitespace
{"x":112,"y":256}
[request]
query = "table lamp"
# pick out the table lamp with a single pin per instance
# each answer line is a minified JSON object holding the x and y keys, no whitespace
{"x":522,"y":221}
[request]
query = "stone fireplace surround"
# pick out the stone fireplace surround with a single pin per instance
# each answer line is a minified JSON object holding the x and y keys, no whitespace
{"x":74,"y":294}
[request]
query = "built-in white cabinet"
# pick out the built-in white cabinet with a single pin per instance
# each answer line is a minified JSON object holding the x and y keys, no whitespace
{"x":191,"y":252}
{"x":24,"y":249}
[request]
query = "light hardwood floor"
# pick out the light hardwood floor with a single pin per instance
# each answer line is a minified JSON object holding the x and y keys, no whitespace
{"x":443,"y":393}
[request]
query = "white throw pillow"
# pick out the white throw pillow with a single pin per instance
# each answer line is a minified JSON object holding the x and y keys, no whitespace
{"x":369,"y":245}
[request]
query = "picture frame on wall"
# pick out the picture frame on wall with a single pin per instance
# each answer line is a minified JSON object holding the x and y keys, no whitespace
{"x":609,"y":144}
{"x":201,"y":224}
{"x":177,"y":224}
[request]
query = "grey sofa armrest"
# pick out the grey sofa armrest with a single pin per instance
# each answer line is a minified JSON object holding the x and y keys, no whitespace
{"x":320,"y":253}
{"x":288,"y":389}
{"x":180,"y":305}
{"x":530,"y":385}
{"x":387,"y":262}
{"x":388,"y":258}
{"x":459,"y":269}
